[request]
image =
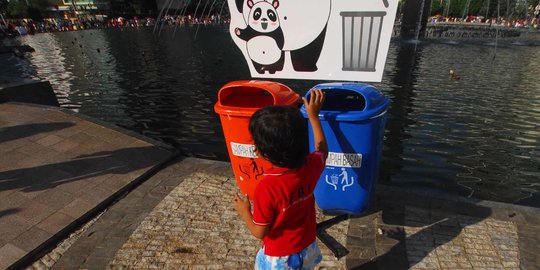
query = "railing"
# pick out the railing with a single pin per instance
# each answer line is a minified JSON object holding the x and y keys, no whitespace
{"x":467,"y":31}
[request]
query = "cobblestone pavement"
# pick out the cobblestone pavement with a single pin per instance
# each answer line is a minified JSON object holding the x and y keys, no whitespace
{"x":460,"y":242}
{"x":183,"y":218}
{"x":196,"y":227}
{"x":408,"y":231}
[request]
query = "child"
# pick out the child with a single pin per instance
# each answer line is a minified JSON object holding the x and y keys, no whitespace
{"x":283,"y":204}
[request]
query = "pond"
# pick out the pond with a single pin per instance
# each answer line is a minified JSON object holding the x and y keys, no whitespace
{"x":474,"y":134}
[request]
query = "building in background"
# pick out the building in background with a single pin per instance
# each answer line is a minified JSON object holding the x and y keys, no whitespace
{"x":80,"y":9}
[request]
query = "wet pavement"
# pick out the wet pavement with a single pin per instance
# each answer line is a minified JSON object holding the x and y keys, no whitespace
{"x":182,"y":216}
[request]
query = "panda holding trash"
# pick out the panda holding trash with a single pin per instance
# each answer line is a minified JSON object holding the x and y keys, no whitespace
{"x":277,"y":28}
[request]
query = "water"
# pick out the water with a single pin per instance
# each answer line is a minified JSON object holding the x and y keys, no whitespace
{"x":476,"y":136}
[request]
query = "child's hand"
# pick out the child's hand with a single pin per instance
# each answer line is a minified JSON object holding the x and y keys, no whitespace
{"x":242,"y":206}
{"x":314,"y":105}
{"x":313,"y":108}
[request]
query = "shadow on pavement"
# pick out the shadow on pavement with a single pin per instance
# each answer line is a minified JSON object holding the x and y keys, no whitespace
{"x":21,"y":131}
{"x":419,"y":230}
{"x":9,"y":211}
{"x":47,"y":176}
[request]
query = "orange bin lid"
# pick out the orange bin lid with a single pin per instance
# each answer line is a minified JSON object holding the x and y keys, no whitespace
{"x":243,"y":98}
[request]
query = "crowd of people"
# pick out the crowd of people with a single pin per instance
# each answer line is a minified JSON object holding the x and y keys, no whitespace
{"x":531,"y":21}
{"x":15,"y":27}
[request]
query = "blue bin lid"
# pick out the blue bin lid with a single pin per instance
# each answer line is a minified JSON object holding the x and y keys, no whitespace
{"x":371,"y":102}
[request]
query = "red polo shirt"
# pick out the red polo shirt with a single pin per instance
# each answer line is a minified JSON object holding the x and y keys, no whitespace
{"x":284,"y":200}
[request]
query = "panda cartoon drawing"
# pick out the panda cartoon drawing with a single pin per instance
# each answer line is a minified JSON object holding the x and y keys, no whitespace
{"x":304,"y":24}
{"x":264,"y":36}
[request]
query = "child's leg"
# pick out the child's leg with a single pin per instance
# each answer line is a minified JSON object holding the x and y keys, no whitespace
{"x":311,"y":256}
{"x":264,"y":262}
{"x":308,"y":258}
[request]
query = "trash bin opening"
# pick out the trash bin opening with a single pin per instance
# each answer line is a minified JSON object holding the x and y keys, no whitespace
{"x":343,"y":100}
{"x":246,"y":97}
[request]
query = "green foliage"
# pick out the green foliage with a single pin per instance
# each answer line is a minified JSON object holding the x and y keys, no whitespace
{"x":34,"y":13}
{"x":437,"y":7}
{"x":3,"y":6}
{"x":27,"y":8}
{"x":18,"y":8}
{"x":42,"y":5}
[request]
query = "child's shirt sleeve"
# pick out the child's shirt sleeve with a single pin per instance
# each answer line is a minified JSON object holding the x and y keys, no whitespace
{"x":263,"y":212}
{"x":318,"y":161}
{"x":321,"y":156}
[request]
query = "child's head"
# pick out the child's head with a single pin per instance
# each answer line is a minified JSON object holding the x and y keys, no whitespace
{"x":280,"y":135}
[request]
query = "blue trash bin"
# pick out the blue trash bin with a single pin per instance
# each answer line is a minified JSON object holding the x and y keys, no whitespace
{"x":353,"y":119}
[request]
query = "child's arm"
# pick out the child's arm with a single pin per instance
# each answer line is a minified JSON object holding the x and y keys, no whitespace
{"x":243,"y":207}
{"x":313,"y":107}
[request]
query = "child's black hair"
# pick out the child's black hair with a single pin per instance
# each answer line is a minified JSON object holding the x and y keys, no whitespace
{"x":280,"y":135}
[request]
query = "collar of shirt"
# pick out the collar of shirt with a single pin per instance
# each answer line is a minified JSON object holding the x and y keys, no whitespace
{"x":277,"y":171}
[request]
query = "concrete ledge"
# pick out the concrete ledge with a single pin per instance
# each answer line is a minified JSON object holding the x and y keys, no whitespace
{"x":28,"y":91}
{"x":57,"y":171}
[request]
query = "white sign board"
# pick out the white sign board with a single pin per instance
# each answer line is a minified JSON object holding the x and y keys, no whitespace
{"x":344,"y":160}
{"x":344,"y":40}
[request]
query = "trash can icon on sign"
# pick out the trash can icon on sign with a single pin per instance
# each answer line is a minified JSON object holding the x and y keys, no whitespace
{"x":353,"y":118}
{"x":237,"y":102}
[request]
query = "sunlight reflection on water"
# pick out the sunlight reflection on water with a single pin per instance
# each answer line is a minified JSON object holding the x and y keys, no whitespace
{"x":475,"y":136}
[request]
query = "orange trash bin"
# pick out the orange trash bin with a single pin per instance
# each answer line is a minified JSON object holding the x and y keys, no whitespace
{"x":237,"y":102}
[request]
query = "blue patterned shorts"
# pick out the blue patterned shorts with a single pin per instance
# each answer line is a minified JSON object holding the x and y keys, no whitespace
{"x":308,"y":258}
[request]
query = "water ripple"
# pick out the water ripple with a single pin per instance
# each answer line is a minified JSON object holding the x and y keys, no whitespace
{"x":477,"y":135}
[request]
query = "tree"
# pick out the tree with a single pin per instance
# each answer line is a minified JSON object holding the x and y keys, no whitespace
{"x":18,"y":8}
{"x":28,"y":8}
{"x":3,"y":6}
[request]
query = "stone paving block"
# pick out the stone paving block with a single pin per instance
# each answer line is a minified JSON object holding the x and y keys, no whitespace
{"x":80,"y":137}
{"x":10,"y":148}
{"x":55,"y":222}
{"x":361,"y":231}
{"x":35,"y":212}
{"x":4,"y":194}
{"x":362,"y":252}
{"x":13,"y":200}
{"x":11,"y":226}
{"x":30,"y":192}
{"x":95,"y":194}
{"x":75,"y":187}
{"x":65,"y":145}
{"x":71,"y":131}
{"x":49,"y":156}
{"x":31,"y":239}
{"x":28,"y":162}
{"x":77,"y":208}
{"x":30,"y":148}
{"x":71,"y":262}
{"x":54,"y":198}
{"x":10,"y":254}
{"x":383,"y":249}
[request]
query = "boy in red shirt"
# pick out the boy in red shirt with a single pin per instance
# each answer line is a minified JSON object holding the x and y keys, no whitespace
{"x":283,"y":204}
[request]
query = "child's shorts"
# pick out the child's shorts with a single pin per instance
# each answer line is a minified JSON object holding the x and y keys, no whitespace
{"x":308,"y":258}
